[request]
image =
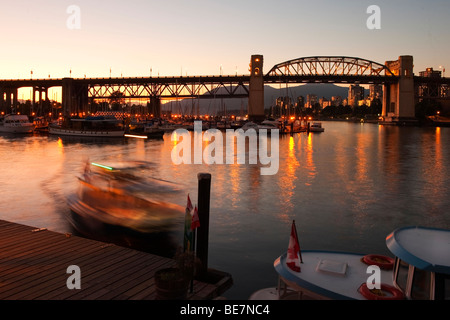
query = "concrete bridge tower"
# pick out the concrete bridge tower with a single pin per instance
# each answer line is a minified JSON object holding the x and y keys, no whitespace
{"x":256,"y":89}
{"x":398,"y":98}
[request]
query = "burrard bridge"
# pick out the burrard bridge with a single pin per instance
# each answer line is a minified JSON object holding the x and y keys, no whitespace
{"x":401,"y":88}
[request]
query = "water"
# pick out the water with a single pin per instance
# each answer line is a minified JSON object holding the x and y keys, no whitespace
{"x":346,"y":188}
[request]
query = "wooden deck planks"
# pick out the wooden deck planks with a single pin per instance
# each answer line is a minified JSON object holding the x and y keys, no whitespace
{"x":33,"y":266}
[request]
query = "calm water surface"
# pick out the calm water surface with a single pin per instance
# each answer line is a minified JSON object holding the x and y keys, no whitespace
{"x":347,"y":188}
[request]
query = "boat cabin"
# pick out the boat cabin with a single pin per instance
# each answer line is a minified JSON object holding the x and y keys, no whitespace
{"x":422,"y":264}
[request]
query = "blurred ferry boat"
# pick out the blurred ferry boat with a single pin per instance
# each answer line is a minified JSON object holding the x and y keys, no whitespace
{"x":98,"y":126}
{"x":116,"y":200}
{"x":16,"y":123}
{"x":419,"y":271}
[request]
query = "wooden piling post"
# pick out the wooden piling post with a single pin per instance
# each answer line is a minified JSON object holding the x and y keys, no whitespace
{"x":204,"y":190}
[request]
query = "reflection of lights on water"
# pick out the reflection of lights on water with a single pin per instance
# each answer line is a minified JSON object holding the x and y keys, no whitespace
{"x":174,"y":138}
{"x":309,"y":140}
{"x":60,"y":143}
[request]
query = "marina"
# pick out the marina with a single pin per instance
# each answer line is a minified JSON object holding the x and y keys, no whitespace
{"x":337,"y":185}
{"x":212,"y":152}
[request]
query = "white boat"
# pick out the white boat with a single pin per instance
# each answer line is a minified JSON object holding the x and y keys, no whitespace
{"x":316,"y":127}
{"x":145,"y":129}
{"x":420,"y":270}
{"x":16,"y":123}
{"x":100,"y":126}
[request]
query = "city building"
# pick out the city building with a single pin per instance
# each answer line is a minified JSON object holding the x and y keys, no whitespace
{"x":355,"y":93}
{"x":375,"y":91}
{"x":311,"y":100}
{"x":324,"y":102}
{"x":336,"y":101}
{"x":430,"y":73}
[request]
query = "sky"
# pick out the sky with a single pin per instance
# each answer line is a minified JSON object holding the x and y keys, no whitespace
{"x":209,"y":37}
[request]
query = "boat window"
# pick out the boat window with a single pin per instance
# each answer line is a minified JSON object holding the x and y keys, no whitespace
{"x":401,"y":278}
{"x":421,"y":285}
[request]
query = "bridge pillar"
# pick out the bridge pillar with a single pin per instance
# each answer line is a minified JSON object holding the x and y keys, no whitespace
{"x":75,"y":97}
{"x":398,"y":98}
{"x":256,"y":89}
{"x":42,"y":103}
{"x":8,"y":101}
{"x":155,"y":106}
{"x":2,"y":100}
{"x":67,"y":97}
{"x":15,"y":103}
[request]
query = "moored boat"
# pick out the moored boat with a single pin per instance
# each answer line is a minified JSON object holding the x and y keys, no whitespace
{"x":16,"y":123}
{"x":316,"y":127}
{"x":420,"y":270}
{"x":268,"y":126}
{"x":100,"y":126}
{"x":146,"y":129}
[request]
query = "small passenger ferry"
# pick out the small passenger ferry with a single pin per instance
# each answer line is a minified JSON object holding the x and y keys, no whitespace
{"x":99,"y":126}
{"x":420,"y":270}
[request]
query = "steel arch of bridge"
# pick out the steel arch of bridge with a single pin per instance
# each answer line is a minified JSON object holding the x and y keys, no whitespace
{"x":329,"y":66}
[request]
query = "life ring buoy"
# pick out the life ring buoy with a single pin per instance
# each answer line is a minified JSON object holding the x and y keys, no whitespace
{"x":384,"y":262}
{"x":379,"y":294}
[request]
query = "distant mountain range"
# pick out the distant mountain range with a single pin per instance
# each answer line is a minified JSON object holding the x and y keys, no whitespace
{"x":214,"y":106}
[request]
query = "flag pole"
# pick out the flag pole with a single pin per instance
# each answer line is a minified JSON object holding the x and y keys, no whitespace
{"x":194,"y":250}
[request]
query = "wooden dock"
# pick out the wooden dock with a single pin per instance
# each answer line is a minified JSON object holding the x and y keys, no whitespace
{"x":34,"y":262}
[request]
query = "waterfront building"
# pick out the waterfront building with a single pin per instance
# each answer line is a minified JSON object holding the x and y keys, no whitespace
{"x":430,"y":73}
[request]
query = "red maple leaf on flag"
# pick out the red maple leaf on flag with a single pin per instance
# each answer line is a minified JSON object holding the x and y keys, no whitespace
{"x":293,"y":258}
{"x":195,"y":220}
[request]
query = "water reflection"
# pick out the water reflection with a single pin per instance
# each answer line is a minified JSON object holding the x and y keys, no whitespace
{"x":288,"y":178}
{"x":310,"y":167}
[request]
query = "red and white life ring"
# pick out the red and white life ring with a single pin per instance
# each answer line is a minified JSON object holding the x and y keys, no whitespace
{"x":393,"y":293}
{"x":384,"y":262}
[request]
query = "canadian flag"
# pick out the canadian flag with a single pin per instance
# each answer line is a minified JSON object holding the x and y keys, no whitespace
{"x":195,"y":220}
{"x":189,"y":204}
{"x":294,"y":257}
